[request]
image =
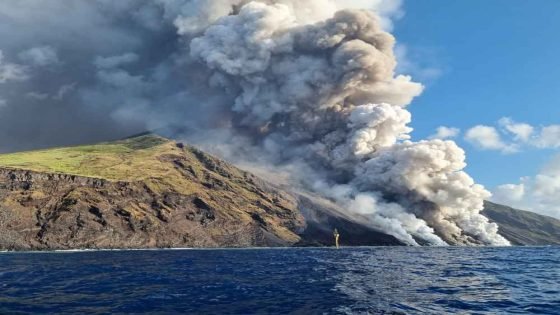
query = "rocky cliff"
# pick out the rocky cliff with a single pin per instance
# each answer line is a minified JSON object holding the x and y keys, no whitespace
{"x":523,"y":227}
{"x":147,"y":192}
{"x":171,"y":196}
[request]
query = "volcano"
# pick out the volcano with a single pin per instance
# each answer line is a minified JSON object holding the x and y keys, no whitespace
{"x":152,"y":192}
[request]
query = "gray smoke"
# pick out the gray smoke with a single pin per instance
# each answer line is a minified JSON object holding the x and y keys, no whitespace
{"x":306,"y":88}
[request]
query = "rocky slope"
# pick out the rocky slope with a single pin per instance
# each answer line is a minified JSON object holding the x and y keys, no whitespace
{"x":524,"y":227}
{"x":148,"y":191}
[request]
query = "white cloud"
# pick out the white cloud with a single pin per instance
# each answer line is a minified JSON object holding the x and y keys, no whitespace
{"x":521,"y":131}
{"x":512,"y":135}
{"x":540,"y":193}
{"x":423,"y":64}
{"x":11,"y":71}
{"x":488,"y":138}
{"x":64,"y":90}
{"x":548,"y":137}
{"x":444,"y":132}
{"x":388,"y":10}
{"x":553,"y":166}
{"x":115,"y":61}
{"x":39,"y":56}
{"x":37,"y":96}
{"x":121,"y":79}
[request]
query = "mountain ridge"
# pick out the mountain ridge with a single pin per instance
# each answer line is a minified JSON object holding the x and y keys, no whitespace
{"x":141,"y":192}
{"x":147,"y":191}
{"x":523,"y":227}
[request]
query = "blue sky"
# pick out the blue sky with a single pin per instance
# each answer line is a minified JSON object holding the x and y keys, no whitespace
{"x":481,"y":61}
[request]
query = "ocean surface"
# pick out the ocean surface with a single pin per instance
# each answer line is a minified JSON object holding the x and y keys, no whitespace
{"x":369,"y":280}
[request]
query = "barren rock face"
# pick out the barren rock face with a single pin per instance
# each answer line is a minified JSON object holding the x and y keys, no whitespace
{"x":150,"y":192}
{"x":195,"y":201}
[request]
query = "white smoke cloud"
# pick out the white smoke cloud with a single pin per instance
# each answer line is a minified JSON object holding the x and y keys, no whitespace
{"x":388,"y":10}
{"x":325,"y":95}
{"x":443,"y":133}
{"x":297,"y":86}
{"x":392,"y":217}
{"x":196,"y":15}
{"x":430,"y":172}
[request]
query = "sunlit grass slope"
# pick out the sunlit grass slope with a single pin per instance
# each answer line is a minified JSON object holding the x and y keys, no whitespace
{"x":129,"y":159}
{"x":148,"y":158}
{"x":159,"y":162}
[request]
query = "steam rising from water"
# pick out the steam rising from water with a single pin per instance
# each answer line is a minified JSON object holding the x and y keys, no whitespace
{"x":302,"y":86}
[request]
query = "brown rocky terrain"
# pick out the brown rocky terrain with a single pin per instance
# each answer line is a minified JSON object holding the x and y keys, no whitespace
{"x":523,"y":227}
{"x":199,"y":202}
{"x":148,"y":192}
{"x":47,"y":211}
{"x":151,"y":192}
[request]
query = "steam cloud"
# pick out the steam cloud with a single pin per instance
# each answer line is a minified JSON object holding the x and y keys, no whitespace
{"x":303,"y":86}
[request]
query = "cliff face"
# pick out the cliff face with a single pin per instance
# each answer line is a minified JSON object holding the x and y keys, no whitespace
{"x":53,"y":211}
{"x":148,"y":192}
{"x":199,"y":201}
{"x":523,"y":227}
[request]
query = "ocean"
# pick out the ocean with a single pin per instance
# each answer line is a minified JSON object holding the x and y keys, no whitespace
{"x":365,"y":280}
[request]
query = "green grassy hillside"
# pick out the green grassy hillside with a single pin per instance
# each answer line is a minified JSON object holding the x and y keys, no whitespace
{"x":119,"y":160}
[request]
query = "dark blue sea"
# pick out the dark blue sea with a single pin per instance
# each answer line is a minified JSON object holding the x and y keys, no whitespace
{"x":372,"y":280}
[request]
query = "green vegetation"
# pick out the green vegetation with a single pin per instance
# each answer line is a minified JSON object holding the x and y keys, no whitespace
{"x":128,"y":159}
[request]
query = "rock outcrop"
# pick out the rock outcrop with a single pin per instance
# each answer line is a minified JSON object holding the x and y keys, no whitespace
{"x":523,"y":227}
{"x":198,"y":201}
{"x":151,"y":192}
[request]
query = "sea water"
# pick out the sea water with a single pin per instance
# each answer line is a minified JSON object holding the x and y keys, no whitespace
{"x":368,"y":280}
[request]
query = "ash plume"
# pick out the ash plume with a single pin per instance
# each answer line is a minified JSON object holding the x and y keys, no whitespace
{"x":303,"y":87}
